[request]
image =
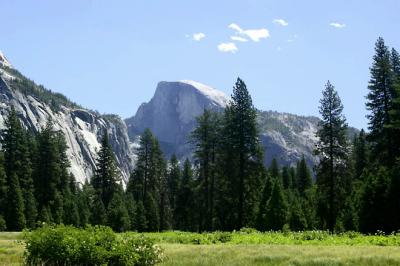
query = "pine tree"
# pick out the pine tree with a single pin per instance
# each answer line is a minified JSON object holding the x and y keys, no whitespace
{"x":184,"y":219}
{"x":152,"y":213}
{"x":15,"y":216}
{"x":375,"y":213}
{"x":45,"y":215}
{"x":106,"y":178}
{"x":83,"y":203}
{"x":51,"y":172}
{"x":3,"y":188}
{"x":394,"y":113}
{"x":148,"y":183}
{"x":303,"y":178}
{"x":261,"y":220}
{"x":117,"y":213}
{"x":379,"y":104}
{"x":242,"y":159}
{"x":140,"y":217}
{"x":297,"y":219}
{"x":17,"y":162}
{"x":287,"y":180}
{"x":360,"y":155}
{"x":205,"y":140}
{"x":332,"y":151}
{"x":274,"y":169}
{"x":174,"y":175}
{"x":277,"y":209}
{"x":98,"y":210}
{"x":131,"y":208}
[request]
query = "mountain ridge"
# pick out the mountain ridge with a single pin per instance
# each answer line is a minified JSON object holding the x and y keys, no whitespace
{"x":171,"y":115}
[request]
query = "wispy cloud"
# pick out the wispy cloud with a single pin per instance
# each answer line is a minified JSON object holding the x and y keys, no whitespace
{"x":198,"y":36}
{"x":254,"y":34}
{"x":229,"y":47}
{"x":238,"y":38}
{"x":337,"y":25}
{"x":280,"y":21}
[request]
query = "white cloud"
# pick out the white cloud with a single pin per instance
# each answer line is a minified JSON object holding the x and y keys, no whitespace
{"x":280,"y":21}
{"x":337,"y":25}
{"x":235,"y":27}
{"x":238,"y":38}
{"x":228,"y":47}
{"x":198,"y":36}
{"x":254,"y":34}
{"x":290,"y":40}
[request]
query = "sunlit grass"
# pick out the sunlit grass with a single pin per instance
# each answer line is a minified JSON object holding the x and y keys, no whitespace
{"x":11,"y":249}
{"x":227,"y":254}
{"x":236,"y":252}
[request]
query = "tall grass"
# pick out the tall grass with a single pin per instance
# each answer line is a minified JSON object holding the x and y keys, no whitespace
{"x":248,"y":236}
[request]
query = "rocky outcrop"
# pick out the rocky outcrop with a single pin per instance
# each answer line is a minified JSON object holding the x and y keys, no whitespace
{"x":171,"y":115}
{"x":82,"y":128}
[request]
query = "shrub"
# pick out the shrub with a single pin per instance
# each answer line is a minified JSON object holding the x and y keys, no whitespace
{"x":94,"y":245}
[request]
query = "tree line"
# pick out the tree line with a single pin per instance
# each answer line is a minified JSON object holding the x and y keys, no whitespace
{"x":225,"y":186}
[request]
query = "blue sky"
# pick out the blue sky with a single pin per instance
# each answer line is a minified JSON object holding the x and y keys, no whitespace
{"x":110,"y":57}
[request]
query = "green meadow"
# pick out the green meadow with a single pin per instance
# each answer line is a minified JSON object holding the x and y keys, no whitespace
{"x":254,"y":248}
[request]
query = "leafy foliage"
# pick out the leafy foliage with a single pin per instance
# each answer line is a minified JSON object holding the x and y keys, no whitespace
{"x":66,"y":245}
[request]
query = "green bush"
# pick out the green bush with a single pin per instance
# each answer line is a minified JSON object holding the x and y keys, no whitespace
{"x":94,"y":245}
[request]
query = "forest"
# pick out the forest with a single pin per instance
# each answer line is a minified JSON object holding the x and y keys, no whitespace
{"x":355,"y":185}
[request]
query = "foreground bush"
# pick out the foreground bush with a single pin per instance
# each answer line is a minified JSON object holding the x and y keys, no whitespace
{"x":94,"y":245}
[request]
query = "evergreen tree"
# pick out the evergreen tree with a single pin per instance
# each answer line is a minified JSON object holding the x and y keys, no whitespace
{"x":205,"y":139}
{"x":174,"y":175}
{"x":117,"y":213}
{"x":241,"y":159}
{"x":297,"y":219}
{"x":148,"y":184}
{"x":3,"y":188}
{"x":379,"y":104}
{"x":360,"y":156}
{"x":185,"y":200}
{"x":106,"y":178}
{"x":17,"y":162}
{"x":332,"y":151}
{"x":51,"y":174}
{"x":15,"y":216}
{"x":375,"y":213}
{"x":261,"y":222}
{"x":131,"y":208}
{"x":140,"y":217}
{"x":140,"y":181}
{"x":83,"y":203}
{"x":277,"y":208}
{"x":98,"y":210}
{"x":287,"y":180}
{"x":274,"y":169}
{"x":394,"y":113}
{"x":303,"y":178}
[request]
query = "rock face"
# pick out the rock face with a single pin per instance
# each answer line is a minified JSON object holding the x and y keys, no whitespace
{"x":171,"y":114}
{"x":82,"y":128}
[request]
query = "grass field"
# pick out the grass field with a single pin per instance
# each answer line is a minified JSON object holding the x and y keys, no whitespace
{"x":199,"y":249}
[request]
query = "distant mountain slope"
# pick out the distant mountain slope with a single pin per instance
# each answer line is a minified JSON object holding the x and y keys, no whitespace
{"x":171,"y":114}
{"x":82,"y":128}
